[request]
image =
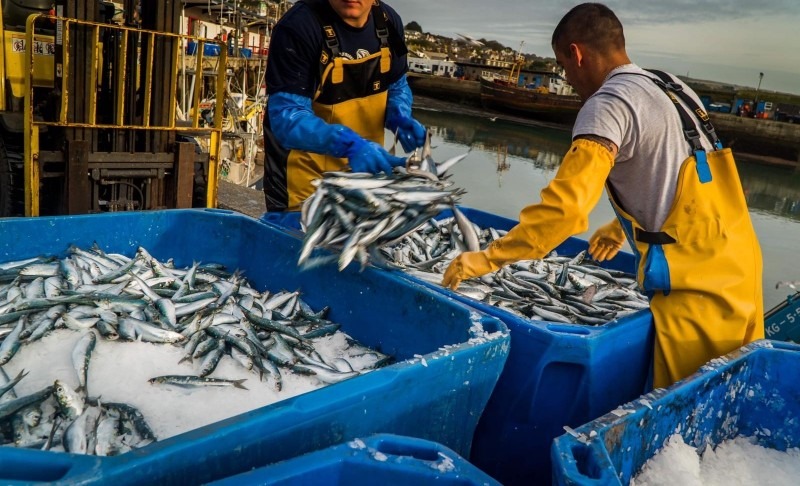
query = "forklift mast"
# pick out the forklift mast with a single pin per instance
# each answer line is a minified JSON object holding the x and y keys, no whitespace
{"x":100,"y":131}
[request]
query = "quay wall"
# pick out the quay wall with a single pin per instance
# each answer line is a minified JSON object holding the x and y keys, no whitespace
{"x":758,"y":136}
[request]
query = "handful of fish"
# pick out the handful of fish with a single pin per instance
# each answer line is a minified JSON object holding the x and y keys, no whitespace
{"x":353,"y":214}
{"x":212,"y":314}
{"x":555,"y":288}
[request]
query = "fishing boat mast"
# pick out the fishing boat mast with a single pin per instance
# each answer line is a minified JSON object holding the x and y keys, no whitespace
{"x":516,"y":66}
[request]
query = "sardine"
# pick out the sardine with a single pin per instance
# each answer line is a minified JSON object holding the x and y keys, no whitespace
{"x":13,"y":406}
{"x":195,"y":381}
{"x":81,"y":356}
{"x":11,"y":343}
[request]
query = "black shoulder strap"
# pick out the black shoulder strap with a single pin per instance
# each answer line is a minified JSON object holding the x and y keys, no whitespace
{"x":705,"y":122}
{"x":380,"y":18}
{"x":387,"y":32}
{"x":326,"y":20}
{"x":690,"y":132}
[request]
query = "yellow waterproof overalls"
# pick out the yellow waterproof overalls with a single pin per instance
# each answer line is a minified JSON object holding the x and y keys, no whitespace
{"x":702,"y":270}
{"x":351,"y":93}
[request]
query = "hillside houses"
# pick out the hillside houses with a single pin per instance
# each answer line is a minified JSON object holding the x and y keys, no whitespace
{"x":491,"y":54}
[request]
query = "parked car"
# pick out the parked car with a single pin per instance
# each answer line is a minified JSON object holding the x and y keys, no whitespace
{"x":416,"y":67}
{"x":720,"y":107}
{"x":787,"y":117}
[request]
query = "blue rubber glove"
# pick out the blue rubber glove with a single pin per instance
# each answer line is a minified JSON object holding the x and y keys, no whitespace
{"x":409,"y":131}
{"x":297,"y":127}
{"x":367,"y":156}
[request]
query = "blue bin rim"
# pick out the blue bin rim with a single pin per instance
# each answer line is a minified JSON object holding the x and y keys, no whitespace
{"x":660,"y":396}
{"x":594,"y":432}
{"x":382,"y":442}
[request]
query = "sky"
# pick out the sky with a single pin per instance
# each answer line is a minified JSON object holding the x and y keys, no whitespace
{"x":731,"y":41}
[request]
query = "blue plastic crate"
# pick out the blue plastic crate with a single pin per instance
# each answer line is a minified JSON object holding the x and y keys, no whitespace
{"x":379,"y":459}
{"x":437,"y":390}
{"x":556,"y":374}
{"x":752,"y":392}
{"x":209,"y":49}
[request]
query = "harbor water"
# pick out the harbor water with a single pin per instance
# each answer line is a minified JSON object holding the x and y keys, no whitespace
{"x":509,"y":164}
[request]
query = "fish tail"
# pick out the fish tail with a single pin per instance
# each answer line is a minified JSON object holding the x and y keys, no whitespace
{"x":238,"y":383}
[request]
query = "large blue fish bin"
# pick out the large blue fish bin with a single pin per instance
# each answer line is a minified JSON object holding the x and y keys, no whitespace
{"x":380,"y":459}
{"x":753,"y":392}
{"x":445,"y":357}
{"x":556,"y":375}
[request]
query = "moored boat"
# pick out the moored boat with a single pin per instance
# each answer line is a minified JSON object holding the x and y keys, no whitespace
{"x":502,"y":95}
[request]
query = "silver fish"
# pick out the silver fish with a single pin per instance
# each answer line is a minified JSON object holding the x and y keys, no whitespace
{"x":69,"y":401}
{"x":195,"y":381}
{"x":13,"y":406}
{"x":134,"y":329}
{"x":81,"y":435}
{"x":11,"y":343}
{"x":81,"y":356}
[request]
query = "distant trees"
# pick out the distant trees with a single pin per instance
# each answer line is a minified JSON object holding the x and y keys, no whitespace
{"x":540,"y":65}
{"x":414,"y":27}
{"x":492,"y":44}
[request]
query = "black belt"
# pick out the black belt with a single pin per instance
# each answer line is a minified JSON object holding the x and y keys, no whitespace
{"x":653,"y":237}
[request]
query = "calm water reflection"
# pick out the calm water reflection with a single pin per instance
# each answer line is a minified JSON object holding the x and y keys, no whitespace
{"x":509,"y":164}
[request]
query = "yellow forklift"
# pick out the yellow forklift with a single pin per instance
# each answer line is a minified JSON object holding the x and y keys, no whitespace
{"x":88,"y":110}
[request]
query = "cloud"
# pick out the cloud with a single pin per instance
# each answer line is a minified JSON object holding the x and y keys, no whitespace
{"x":446,"y":15}
{"x":693,"y":11}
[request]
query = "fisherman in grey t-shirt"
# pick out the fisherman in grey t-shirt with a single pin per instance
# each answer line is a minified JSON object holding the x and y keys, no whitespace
{"x":679,"y":202}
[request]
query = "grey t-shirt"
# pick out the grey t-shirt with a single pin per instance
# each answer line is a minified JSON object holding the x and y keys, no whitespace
{"x":635,"y":114}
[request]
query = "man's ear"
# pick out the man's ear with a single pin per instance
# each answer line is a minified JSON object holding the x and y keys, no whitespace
{"x":575,"y":52}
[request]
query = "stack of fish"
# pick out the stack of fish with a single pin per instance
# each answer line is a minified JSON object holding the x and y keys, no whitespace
{"x":353,"y":214}
{"x":60,"y":418}
{"x":210,"y":312}
{"x":556,"y":288}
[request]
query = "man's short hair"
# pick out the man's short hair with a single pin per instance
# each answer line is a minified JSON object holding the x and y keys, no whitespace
{"x":591,"y":24}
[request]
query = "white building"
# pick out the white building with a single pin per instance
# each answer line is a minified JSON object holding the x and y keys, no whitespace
{"x":434,"y":63}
